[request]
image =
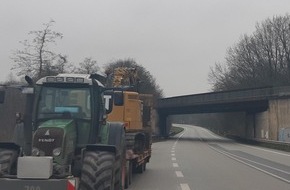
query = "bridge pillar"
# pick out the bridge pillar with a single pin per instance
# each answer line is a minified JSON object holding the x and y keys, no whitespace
{"x":274,"y":124}
{"x":250,"y":125}
{"x":163,"y":125}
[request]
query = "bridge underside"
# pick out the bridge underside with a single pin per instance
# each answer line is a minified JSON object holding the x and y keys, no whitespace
{"x":247,"y":106}
{"x":250,"y":106}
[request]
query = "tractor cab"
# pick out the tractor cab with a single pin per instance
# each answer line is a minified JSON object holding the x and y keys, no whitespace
{"x":68,"y":113}
{"x":69,"y":100}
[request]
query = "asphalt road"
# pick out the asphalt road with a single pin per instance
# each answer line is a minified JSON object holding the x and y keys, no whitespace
{"x":197,"y":159}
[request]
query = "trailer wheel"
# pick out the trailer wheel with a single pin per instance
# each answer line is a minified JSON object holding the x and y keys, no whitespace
{"x":8,"y":161}
{"x":141,"y":168}
{"x":97,"y":171}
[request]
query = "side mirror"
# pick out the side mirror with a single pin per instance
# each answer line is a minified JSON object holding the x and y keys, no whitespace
{"x":2,"y":96}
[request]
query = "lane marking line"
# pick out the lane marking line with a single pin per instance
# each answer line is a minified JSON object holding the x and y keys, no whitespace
{"x":175,"y":165}
{"x":267,"y":166}
{"x":266,"y":150}
{"x":184,"y":186}
{"x":250,"y":165}
{"x":172,"y":154}
{"x":173,"y":159}
{"x":253,"y":147}
{"x":180,"y":135}
{"x":179,"y":174}
{"x":172,"y":151}
{"x":212,"y":134}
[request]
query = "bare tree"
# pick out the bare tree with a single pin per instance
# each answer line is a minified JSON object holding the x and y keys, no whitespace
{"x":88,"y":66}
{"x":257,"y":60}
{"x":11,"y":79}
{"x":147,"y":83}
{"x":36,"y":58}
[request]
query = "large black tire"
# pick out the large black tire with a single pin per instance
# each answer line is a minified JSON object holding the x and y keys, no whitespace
{"x":117,"y":138}
{"x":140,"y":169}
{"x":97,"y":171}
{"x":118,"y":175}
{"x":8,"y":160}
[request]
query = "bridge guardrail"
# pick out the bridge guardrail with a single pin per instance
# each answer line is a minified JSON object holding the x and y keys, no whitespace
{"x":227,"y":96}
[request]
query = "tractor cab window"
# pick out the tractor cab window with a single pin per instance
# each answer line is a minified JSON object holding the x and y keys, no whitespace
{"x":64,"y":102}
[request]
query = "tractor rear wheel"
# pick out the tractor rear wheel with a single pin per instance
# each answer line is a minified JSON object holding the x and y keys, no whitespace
{"x":97,"y":171}
{"x":8,"y":161}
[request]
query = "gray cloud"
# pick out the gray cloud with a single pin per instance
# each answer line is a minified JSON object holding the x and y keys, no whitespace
{"x":177,"y":41}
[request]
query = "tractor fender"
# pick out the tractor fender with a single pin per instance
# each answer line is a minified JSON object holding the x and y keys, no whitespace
{"x":101,"y":147}
{"x":117,"y":135}
{"x":115,"y":139}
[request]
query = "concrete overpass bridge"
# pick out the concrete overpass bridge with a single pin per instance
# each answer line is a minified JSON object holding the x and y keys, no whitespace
{"x":267,"y":110}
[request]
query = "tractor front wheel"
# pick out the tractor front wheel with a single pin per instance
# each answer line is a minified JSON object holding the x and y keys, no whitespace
{"x":97,"y":171}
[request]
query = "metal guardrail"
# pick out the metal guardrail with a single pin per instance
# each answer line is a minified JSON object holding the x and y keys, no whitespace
{"x":278,"y":145}
{"x":274,"y":144}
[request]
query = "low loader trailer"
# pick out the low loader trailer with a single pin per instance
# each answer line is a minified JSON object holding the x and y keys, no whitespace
{"x":136,"y":111}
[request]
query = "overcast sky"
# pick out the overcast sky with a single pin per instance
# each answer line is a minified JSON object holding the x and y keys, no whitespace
{"x":177,"y":41}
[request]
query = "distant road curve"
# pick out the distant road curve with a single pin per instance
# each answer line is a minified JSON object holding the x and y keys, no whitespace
{"x":198,"y":159}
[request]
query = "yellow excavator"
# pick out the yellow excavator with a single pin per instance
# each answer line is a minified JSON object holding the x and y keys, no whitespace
{"x":124,"y":104}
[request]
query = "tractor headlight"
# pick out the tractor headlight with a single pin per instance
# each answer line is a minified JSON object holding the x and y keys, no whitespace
{"x":56,"y":151}
{"x":35,"y":152}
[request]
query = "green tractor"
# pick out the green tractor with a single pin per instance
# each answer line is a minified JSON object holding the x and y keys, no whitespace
{"x":69,"y":143}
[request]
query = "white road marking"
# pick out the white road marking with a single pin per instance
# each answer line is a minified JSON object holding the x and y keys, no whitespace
{"x":253,"y":147}
{"x":212,"y":134}
{"x":180,"y":135}
{"x":184,"y":186}
{"x":266,"y":150}
{"x":179,"y":174}
{"x":250,"y":165}
{"x":241,"y":158}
